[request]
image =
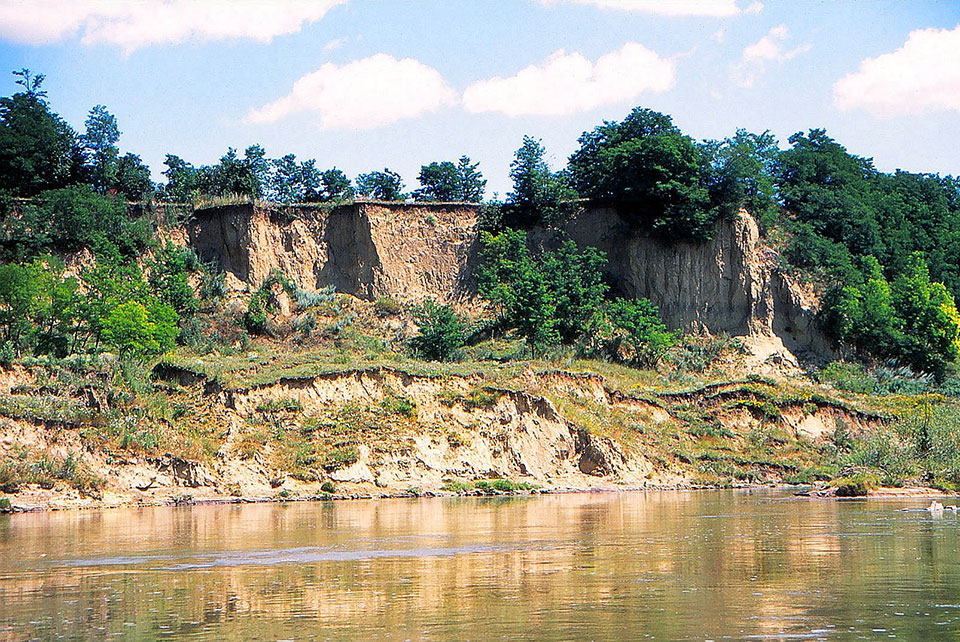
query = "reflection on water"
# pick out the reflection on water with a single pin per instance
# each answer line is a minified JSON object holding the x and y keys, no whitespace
{"x":659,"y":565}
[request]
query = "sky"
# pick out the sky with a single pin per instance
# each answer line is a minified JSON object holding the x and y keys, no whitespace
{"x":368,"y":84}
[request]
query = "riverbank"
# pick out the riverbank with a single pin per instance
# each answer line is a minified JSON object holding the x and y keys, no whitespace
{"x":279,"y":421}
{"x":39,"y":502}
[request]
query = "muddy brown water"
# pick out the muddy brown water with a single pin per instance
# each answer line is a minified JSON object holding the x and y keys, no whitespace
{"x":658,"y":565}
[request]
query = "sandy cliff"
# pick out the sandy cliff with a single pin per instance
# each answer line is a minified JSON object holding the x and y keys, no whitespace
{"x":729,"y":284}
{"x":367,"y":249}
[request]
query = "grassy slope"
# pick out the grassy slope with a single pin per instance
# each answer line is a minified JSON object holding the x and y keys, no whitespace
{"x":697,"y":416}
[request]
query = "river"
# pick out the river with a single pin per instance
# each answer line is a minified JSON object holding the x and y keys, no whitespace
{"x":662,"y":565}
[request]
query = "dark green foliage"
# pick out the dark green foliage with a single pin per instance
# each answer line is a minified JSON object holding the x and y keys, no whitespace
{"x":915,"y":320}
{"x":231,"y":176}
{"x":336,"y":185}
{"x":100,"y":148}
{"x":743,"y":170}
{"x":635,"y":333}
{"x":170,"y":278}
{"x":558,"y":296}
{"x":442,"y":331}
{"x":132,"y":179}
{"x":293,"y":182}
{"x":72,"y":219}
{"x":446,"y":181}
{"x":576,"y":280}
{"x":259,"y":306}
{"x":645,"y":165}
{"x":539,"y":195}
{"x":381,"y":186}
{"x":38,"y":149}
{"x":516,"y":284}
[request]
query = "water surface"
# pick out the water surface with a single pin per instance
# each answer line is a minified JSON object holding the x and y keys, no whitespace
{"x":659,"y":565}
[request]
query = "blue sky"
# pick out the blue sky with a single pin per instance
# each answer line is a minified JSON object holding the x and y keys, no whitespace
{"x":363,"y":84}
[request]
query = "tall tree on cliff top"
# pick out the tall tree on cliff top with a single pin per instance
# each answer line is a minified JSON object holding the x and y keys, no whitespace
{"x":382,"y":186}
{"x":100,"y":148}
{"x":647,"y":167}
{"x":446,"y":181}
{"x":336,"y":185}
{"x":38,"y":149}
{"x":538,"y":195}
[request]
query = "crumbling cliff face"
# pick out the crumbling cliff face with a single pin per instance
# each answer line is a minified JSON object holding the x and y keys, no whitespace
{"x":729,"y":284}
{"x":367,"y":249}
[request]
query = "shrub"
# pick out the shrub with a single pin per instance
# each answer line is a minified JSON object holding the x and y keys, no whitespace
{"x":283,"y":404}
{"x":631,"y":331}
{"x":328,"y":487}
{"x":340,"y":458}
{"x":856,"y":485}
{"x":442,"y":331}
{"x":386,"y":307}
{"x":134,"y":330}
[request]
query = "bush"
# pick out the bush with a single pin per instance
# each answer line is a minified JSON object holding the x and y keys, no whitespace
{"x":856,"y":485}
{"x":386,"y":307}
{"x":340,"y":458}
{"x":442,"y":331}
{"x":328,"y":487}
{"x":75,"y":218}
{"x":135,"y":331}
{"x":631,"y":331}
{"x":255,"y":319}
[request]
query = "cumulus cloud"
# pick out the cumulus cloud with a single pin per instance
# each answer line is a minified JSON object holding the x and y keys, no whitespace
{"x":568,"y":83}
{"x":757,"y":57}
{"x":362,"y":94}
{"x":674,"y":8}
{"x":919,"y":77}
{"x":131,"y":24}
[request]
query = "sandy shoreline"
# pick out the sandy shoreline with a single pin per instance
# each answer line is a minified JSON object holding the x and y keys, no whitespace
{"x":48,"y":501}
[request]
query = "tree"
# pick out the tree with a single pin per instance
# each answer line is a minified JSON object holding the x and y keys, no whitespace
{"x":75,"y":218}
{"x":439,"y":182}
{"x":293,"y":182}
{"x":135,"y":331}
{"x":538,"y":195}
{"x":38,"y":149}
{"x":829,"y":189}
{"x":19,"y":301}
{"x":381,"y":186}
{"x":744,"y":170}
{"x":442,"y":332}
{"x":513,"y":281}
{"x":100,"y":148}
{"x":648,"y":168}
{"x":472,"y":182}
{"x":446,"y":181}
{"x":640,"y":336}
{"x":336,"y":185}
{"x":931,"y":324}
{"x":182,"y":179}
{"x":170,"y":279}
{"x":576,"y":279}
{"x":132,"y":180}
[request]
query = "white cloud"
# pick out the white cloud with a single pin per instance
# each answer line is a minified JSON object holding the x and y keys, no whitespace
{"x":769,"y":49}
{"x":567,"y":83}
{"x":920,"y":76}
{"x":674,"y":8}
{"x":131,"y":24}
{"x":719,"y":35}
{"x":362,"y":94}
